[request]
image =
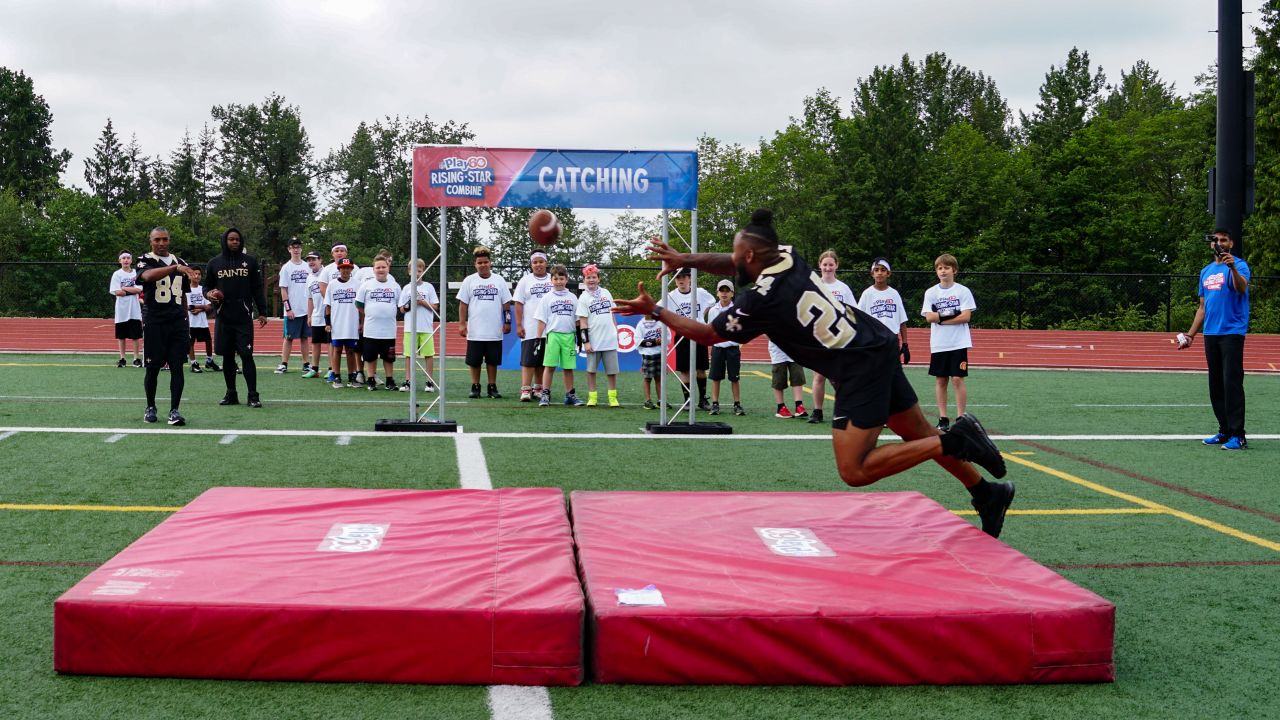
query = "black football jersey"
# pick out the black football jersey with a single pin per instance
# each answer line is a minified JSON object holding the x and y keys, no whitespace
{"x":790,"y":303}
{"x":164,"y":299}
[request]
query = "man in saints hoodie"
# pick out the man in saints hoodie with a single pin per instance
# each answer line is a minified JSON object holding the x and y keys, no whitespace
{"x":234,"y":281}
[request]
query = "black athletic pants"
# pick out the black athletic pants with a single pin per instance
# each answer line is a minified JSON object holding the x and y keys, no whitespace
{"x":236,"y":338}
{"x":1225,"y":354}
{"x":165,"y":344}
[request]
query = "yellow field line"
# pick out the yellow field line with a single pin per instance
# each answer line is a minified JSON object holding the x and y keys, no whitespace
{"x":1218,"y":527}
{"x":807,"y":388}
{"x":92,"y":508}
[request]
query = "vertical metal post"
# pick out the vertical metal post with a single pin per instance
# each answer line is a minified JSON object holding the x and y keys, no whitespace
{"x":662,"y":335}
{"x":444,"y":306}
{"x":696,"y":317}
{"x":411,"y":320}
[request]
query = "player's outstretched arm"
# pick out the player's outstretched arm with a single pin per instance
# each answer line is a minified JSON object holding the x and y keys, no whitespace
{"x":672,"y":260}
{"x":643,"y":304}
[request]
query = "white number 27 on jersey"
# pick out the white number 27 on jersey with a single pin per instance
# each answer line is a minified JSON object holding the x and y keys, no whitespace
{"x":818,"y":312}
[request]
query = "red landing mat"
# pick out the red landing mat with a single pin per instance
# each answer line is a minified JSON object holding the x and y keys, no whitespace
{"x":452,"y":586}
{"x":823,"y":589}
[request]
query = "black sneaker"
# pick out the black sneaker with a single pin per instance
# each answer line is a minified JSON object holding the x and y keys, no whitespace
{"x":137,"y":362}
{"x":230,"y":399}
{"x":715,"y":408}
{"x":195,"y":367}
{"x":211,"y":365}
{"x":475,"y":391}
{"x":493,"y":392}
{"x":738,"y":409}
{"x":122,"y":363}
{"x":371,"y":384}
{"x":703,"y":404}
{"x":992,"y":511}
{"x":391,"y":385}
{"x":254,"y":400}
{"x":978,"y":448}
{"x":650,"y":405}
{"x":943,"y":424}
{"x":150,"y":415}
{"x":176,"y":419}
{"x":815,"y":416}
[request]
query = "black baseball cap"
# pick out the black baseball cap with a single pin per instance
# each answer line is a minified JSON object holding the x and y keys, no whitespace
{"x":345,"y":263}
{"x":683,"y":272}
{"x":295,"y":241}
{"x":313,"y":254}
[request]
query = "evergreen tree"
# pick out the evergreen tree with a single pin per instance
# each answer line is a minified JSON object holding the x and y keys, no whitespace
{"x":29,"y":166}
{"x":109,"y":173}
{"x":1067,"y":99}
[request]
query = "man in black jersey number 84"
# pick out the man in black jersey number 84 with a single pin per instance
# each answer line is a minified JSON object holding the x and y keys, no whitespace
{"x":781,"y":296}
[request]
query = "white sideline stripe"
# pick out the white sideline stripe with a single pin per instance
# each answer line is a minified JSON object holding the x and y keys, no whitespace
{"x":293,"y":401}
{"x":7,"y":435}
{"x":552,"y":436}
{"x":1153,"y":405}
{"x":509,"y":702}
{"x":473,"y":473}
{"x":343,"y":440}
{"x":228,"y":439}
{"x":115,"y":438}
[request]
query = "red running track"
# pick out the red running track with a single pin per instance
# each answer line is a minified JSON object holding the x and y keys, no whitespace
{"x":992,"y":348}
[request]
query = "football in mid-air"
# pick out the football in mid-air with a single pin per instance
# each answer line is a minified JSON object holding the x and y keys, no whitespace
{"x":544,"y":227}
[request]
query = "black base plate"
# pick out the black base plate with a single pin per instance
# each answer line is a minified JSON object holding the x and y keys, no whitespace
{"x":435,"y":426}
{"x":685,"y":428}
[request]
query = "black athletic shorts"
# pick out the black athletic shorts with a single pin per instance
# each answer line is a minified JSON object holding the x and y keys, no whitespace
{"x":200,"y":334}
{"x":952,"y":363}
{"x":166,"y":342}
{"x":725,"y":362}
{"x":129,"y":330}
{"x":319,"y":335}
{"x":872,"y":388}
{"x":531,"y":353}
{"x":232,"y":338}
{"x":682,"y":355}
{"x":375,"y":348}
{"x":488,"y":352}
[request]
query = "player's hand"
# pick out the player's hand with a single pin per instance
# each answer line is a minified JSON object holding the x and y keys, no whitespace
{"x":931,"y":317}
{"x":587,"y":348}
{"x":671,"y":260}
{"x":906,"y":354}
{"x":1228,"y":259}
{"x":1182,"y":342}
{"x":641,"y":304}
{"x":289,"y":314}
{"x":462,"y":329}
{"x":506,"y":328}
{"x":262,"y":321}
{"x":520,"y":331}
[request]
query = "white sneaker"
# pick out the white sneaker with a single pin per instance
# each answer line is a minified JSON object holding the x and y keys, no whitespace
{"x":360,"y":377}
{"x":429,"y":387}
{"x":282,"y":368}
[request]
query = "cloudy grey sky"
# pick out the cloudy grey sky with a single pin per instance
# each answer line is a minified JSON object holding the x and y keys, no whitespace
{"x":652,"y":74}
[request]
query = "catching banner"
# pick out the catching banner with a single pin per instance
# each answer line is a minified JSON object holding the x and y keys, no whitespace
{"x":454,"y":176}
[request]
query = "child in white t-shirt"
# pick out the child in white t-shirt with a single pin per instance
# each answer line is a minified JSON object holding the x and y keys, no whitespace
{"x":128,"y":311}
{"x":378,"y":300}
{"x":556,"y":314}
{"x":198,"y":322}
{"x":828,"y":263}
{"x":598,"y":333}
{"x":528,"y":293}
{"x":344,"y":322}
{"x":421,"y":297}
{"x":484,"y":316}
{"x":726,"y":357}
{"x":786,"y":370}
{"x":649,"y":336}
{"x":885,"y":304}
{"x":315,"y":313}
{"x":948,"y":306}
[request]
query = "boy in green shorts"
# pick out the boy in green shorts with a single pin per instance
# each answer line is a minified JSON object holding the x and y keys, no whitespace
{"x":425,"y":304}
{"x":557,"y":325}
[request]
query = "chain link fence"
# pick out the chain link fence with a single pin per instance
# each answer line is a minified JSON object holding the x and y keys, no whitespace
{"x":1017,"y":300}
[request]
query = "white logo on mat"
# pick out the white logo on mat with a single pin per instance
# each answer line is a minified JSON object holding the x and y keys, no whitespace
{"x":794,"y":542}
{"x":120,"y":587}
{"x":353,"y":537}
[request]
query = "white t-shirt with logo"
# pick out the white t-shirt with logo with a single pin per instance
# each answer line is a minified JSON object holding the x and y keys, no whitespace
{"x":317,"y":300}
{"x":340,"y":297}
{"x":128,"y":307}
{"x":952,"y":335}
{"x":597,"y":308}
{"x":294,"y":277}
{"x":884,"y":306}
{"x":649,"y":329}
{"x":777,"y":356}
{"x":558,"y":311}
{"x":715,"y":311}
{"x":485,"y":299}
{"x":683,"y":303}
{"x":381,"y":301}
{"x":423,"y":317}
{"x":196,"y":297}
{"x":841,"y":292}
{"x":529,"y":292}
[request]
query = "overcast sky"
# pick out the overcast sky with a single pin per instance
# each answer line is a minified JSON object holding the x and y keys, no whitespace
{"x":645,"y":75}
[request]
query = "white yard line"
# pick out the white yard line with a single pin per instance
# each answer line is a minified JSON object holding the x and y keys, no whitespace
{"x":8,"y":434}
{"x":115,"y":438}
{"x":545,"y":436}
{"x":228,"y":439}
{"x":473,"y":472}
{"x":343,"y":440}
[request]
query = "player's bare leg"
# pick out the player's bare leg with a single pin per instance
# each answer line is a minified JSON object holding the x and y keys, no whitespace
{"x":860,"y":462}
{"x":962,"y":395}
{"x":911,"y":424}
{"x":940,"y":394}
